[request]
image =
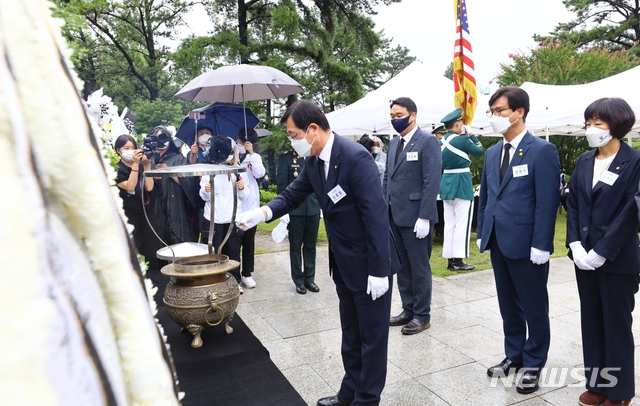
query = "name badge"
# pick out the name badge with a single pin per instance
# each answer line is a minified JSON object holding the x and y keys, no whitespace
{"x":336,"y":194}
{"x":520,"y":170}
{"x":412,"y":156}
{"x":609,"y":178}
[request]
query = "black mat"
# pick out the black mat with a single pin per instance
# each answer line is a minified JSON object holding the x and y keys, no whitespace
{"x":229,"y":369}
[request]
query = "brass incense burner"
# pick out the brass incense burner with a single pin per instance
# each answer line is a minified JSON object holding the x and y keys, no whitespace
{"x":201,"y":294}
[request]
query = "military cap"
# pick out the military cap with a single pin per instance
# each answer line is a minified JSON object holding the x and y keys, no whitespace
{"x":452,"y":117}
{"x":440,"y":130}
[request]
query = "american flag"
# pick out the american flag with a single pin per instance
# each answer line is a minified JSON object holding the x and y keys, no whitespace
{"x":464,"y":81}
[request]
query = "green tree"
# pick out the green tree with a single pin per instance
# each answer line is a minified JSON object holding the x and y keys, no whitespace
{"x":611,"y":23}
{"x":557,"y":62}
{"x":119,"y":44}
{"x":448,"y":73}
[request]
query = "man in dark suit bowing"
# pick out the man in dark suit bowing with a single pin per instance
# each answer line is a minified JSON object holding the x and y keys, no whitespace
{"x":519,"y":199}
{"x":344,"y":177}
{"x":410,"y":186}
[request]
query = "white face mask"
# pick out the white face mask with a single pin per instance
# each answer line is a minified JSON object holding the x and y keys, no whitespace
{"x":597,"y":137}
{"x":302,"y":146}
{"x":127,"y":155}
{"x":501,"y":124}
{"x":241,"y":149}
{"x":203,"y":139}
{"x":375,"y":150}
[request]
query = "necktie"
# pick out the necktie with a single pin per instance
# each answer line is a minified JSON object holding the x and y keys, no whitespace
{"x":322,"y":172}
{"x":505,"y":161}
{"x":399,"y":150}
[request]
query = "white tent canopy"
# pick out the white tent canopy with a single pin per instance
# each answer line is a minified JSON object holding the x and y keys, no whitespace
{"x":432,"y":93}
{"x":558,"y":109}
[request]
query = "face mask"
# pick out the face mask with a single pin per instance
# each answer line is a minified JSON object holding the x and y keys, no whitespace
{"x":597,"y":137}
{"x":241,"y":149}
{"x":127,"y":155}
{"x":302,"y":146}
{"x":501,"y":124}
{"x":401,"y":124}
{"x":203,"y":139}
{"x":375,"y":150}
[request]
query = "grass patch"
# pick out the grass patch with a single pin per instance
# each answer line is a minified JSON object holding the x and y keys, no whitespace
{"x":439,"y":264}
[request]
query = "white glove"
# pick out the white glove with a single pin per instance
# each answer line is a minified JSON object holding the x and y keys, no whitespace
{"x":579,"y":256}
{"x":539,"y":257}
{"x":421,"y":228}
{"x":250,"y":219}
{"x":594,"y":259}
{"x":377,"y":286}
{"x":285,"y":219}
{"x":479,"y":243}
{"x":466,"y":129}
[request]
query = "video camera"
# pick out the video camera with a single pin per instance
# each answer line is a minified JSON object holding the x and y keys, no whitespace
{"x":220,"y":149}
{"x":159,"y":136}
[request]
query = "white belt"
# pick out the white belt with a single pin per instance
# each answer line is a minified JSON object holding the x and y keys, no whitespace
{"x":459,"y":170}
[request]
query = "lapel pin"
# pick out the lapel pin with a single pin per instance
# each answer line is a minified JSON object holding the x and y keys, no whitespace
{"x":520,"y":152}
{"x":617,"y":168}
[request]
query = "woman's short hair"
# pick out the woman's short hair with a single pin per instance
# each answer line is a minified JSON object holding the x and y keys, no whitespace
{"x":122,"y":140}
{"x":614,"y":111}
{"x":252,"y":135}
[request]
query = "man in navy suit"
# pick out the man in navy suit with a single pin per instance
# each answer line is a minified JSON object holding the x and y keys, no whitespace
{"x":362,"y":258}
{"x":519,"y":199}
{"x":410,"y":185}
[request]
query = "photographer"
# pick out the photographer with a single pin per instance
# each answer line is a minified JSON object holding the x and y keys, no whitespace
{"x":177,"y":198}
{"x":135,"y":190}
{"x":222,"y":151}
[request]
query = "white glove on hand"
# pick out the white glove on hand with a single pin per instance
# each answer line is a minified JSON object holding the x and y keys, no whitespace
{"x":539,"y":257}
{"x":579,"y":256}
{"x":285,"y":219}
{"x":479,"y":243}
{"x":377,"y":286}
{"x":250,"y":219}
{"x":466,"y":129}
{"x":595,"y":260}
{"x":421,"y":228}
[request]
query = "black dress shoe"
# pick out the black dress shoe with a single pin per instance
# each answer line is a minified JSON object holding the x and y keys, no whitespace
{"x":505,"y":368}
{"x":458,"y":265}
{"x":450,"y":264}
{"x":301,"y":289}
{"x":529,"y":382}
{"x":312,"y":287}
{"x":333,"y":401}
{"x":415,"y":326}
{"x":401,"y":319}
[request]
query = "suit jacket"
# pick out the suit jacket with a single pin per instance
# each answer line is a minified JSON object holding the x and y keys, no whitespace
{"x":357,"y":225}
{"x":288,"y":171}
{"x":605,"y":218}
{"x":411,"y":188}
{"x":521,"y":210}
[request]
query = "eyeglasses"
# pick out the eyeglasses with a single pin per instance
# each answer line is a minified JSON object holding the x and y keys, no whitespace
{"x":496,"y":112}
{"x":294,"y":136}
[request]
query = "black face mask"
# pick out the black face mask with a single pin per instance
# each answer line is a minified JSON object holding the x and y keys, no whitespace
{"x":401,"y":124}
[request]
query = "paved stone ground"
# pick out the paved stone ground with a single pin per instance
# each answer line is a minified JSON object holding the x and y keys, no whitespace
{"x":445,"y":365}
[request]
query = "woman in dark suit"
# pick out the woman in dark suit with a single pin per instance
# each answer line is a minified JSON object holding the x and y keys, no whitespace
{"x":602,"y":232}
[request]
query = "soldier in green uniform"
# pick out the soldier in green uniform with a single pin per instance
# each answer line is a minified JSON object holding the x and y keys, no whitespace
{"x":456,"y":189}
{"x":303,"y":226}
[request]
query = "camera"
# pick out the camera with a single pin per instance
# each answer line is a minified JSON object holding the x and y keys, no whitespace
{"x":151,"y":142}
